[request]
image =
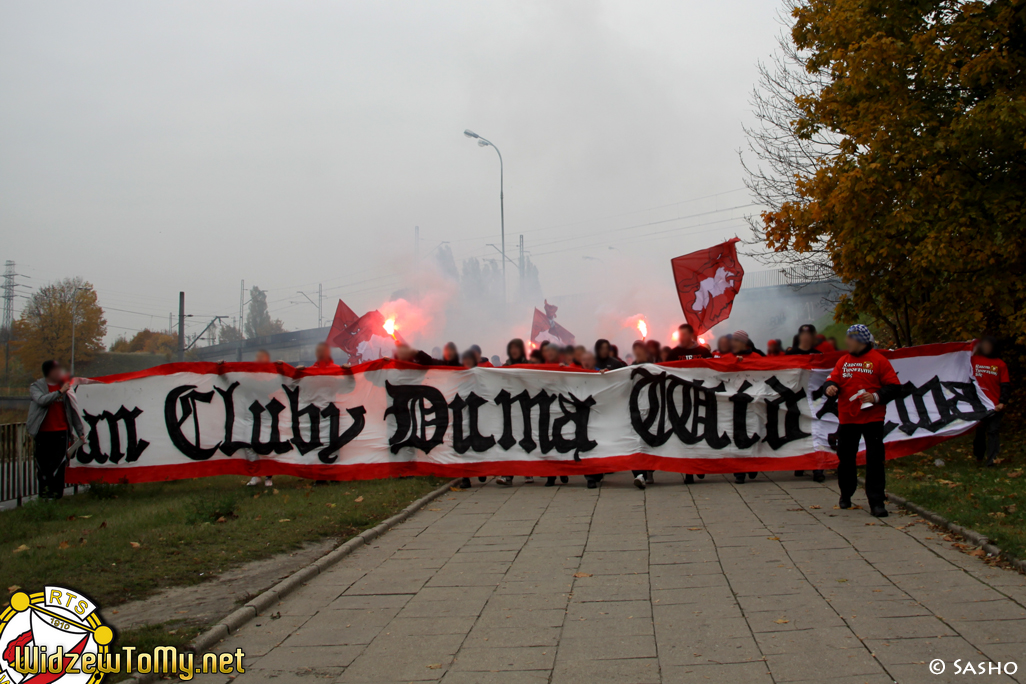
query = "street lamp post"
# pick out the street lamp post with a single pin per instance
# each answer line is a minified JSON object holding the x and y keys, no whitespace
{"x":74,"y":317}
{"x":482,"y":142}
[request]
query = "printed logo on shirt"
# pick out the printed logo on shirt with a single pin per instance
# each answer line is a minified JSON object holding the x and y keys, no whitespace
{"x":986,"y":370}
{"x":850,"y":368}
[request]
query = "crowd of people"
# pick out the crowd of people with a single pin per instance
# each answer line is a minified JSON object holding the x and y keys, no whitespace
{"x":862,"y":381}
{"x":862,"y":374}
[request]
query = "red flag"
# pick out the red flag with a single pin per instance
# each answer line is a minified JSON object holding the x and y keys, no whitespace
{"x":367,"y":338}
{"x":344,"y":317}
{"x":544,"y":327}
{"x":707,"y":282}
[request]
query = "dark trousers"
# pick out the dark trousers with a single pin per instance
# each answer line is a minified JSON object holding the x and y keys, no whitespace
{"x":848,"y":437}
{"x":987,"y":441}
{"x":51,"y":447}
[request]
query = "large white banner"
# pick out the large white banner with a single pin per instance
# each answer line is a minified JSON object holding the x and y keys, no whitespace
{"x":384,"y":418}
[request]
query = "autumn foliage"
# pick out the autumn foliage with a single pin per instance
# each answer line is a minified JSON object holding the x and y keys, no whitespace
{"x":922,"y":208}
{"x":44,"y":329}
{"x":148,"y":341}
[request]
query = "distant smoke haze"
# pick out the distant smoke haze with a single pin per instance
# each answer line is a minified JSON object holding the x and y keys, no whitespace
{"x":165,"y":146}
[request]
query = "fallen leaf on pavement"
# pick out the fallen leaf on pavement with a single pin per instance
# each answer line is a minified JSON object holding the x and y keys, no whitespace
{"x":781,"y":621}
{"x":582,"y":574}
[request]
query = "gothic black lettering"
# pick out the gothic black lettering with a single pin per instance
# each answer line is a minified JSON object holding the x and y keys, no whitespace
{"x":313,"y":416}
{"x":179,"y":406}
{"x":133,"y":448}
{"x":741,"y":400}
{"x":577,"y":412}
{"x":792,"y":415}
{"x":336,"y":441}
{"x":472,"y":439}
{"x":417,"y":409}
{"x":229,"y":446}
{"x":274,"y":442}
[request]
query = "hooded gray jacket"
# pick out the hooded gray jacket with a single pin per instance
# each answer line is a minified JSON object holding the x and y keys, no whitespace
{"x":41,"y":397}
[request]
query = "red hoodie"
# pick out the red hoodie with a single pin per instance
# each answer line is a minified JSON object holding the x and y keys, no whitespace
{"x":869,"y":372}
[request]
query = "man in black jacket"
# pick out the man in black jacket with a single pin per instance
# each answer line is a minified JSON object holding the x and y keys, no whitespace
{"x":687,"y":346}
{"x":807,"y":345}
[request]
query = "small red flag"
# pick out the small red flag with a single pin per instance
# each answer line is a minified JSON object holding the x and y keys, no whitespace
{"x":344,"y":317}
{"x":707,"y":282}
{"x":544,"y":327}
{"x":367,"y":339}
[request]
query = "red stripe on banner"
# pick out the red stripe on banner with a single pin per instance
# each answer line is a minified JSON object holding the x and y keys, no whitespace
{"x":373,"y":471}
{"x":811,"y":362}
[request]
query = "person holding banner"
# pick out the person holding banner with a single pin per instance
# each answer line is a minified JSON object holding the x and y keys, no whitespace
{"x":687,"y":346}
{"x":805,"y":344}
{"x":51,"y":418}
{"x":992,"y":375}
{"x":863,"y":382}
{"x":515,"y":353}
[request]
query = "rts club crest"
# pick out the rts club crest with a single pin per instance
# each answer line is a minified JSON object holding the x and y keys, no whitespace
{"x":52,"y":636}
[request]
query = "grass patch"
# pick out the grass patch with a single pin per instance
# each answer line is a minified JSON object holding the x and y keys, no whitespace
{"x":147,"y":638}
{"x":124,"y":542}
{"x":991,"y":501}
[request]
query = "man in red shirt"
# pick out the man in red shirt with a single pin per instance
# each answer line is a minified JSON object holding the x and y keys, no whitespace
{"x":863,"y":381}
{"x":991,"y":374}
{"x":322,"y":358}
{"x":51,"y":418}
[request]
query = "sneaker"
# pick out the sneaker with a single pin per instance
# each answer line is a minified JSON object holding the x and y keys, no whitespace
{"x":465,"y":483}
{"x":529,"y":480}
{"x":702,"y":476}
{"x":878,"y":511}
{"x":504,"y":481}
{"x":268,"y":482}
{"x":818,"y":476}
{"x":564,"y":479}
{"x":550,"y":482}
{"x":639,"y":481}
{"x":650,"y":477}
{"x":481,"y":478}
{"x":844,"y":503}
{"x":739,"y":478}
{"x":799,"y":473}
{"x":592,"y":484}
{"x":253,"y":481}
{"x":751,"y":476}
{"x":689,"y":479}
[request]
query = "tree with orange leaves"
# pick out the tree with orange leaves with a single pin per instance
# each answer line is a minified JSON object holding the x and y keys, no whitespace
{"x":921,"y":205}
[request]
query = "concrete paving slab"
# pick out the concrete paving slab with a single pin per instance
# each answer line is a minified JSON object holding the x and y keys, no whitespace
{"x":708,"y":583}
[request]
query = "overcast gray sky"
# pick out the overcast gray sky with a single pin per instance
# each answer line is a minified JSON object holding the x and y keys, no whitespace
{"x":153,"y":147}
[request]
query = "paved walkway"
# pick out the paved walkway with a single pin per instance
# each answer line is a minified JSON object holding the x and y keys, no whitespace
{"x":765,"y":582}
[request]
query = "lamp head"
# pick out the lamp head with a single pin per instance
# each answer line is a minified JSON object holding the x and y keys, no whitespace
{"x":470,"y":134}
{"x":482,"y":143}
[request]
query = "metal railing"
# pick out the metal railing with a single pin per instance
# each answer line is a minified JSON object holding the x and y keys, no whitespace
{"x":17,"y":465}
